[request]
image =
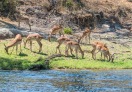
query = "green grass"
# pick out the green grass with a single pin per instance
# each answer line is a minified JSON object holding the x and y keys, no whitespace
{"x":28,"y":59}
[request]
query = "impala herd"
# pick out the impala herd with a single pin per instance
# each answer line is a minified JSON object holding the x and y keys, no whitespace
{"x":69,"y":43}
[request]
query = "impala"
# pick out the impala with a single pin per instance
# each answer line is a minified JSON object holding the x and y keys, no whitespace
{"x":15,"y":42}
{"x":21,"y":18}
{"x":60,"y":41}
{"x":105,"y":51}
{"x":73,"y":45}
{"x":32,"y":37}
{"x":86,"y":34}
{"x":56,"y":29}
{"x":97,"y":46}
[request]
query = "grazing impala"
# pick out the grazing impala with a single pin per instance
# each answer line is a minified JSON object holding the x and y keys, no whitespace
{"x":97,"y":46}
{"x":15,"y":42}
{"x":86,"y":34}
{"x":56,"y":29}
{"x":32,"y":37}
{"x":60,"y":41}
{"x":72,"y":44}
{"x":105,"y":52}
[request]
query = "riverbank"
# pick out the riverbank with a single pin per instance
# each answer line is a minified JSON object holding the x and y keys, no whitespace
{"x":28,"y":60}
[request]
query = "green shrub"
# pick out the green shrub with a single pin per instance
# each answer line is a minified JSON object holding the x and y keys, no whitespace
{"x":68,"y":30}
{"x":69,"y":3}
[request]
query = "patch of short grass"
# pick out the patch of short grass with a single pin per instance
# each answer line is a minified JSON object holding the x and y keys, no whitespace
{"x":27,"y":58}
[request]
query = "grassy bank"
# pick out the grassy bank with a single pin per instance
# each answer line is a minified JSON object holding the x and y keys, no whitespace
{"x":28,"y":59}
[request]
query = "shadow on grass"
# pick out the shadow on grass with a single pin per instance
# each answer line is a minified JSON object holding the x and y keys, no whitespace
{"x":23,"y":54}
{"x":21,"y":64}
{"x":41,"y":53}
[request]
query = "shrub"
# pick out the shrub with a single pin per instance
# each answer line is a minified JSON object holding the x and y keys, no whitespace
{"x":8,"y":7}
{"x":68,"y":30}
{"x":69,"y":3}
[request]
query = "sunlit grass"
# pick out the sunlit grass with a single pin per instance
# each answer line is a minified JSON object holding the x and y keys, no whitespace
{"x":27,"y":58}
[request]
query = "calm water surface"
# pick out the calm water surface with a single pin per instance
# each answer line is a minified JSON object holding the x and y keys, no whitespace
{"x":66,"y":81}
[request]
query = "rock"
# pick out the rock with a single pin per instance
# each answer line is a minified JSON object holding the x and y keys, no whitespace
{"x":105,"y":27}
{"x":5,"y":33}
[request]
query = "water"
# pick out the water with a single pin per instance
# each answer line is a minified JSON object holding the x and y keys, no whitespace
{"x":66,"y":81}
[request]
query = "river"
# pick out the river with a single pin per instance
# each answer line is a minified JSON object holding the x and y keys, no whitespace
{"x":66,"y":81}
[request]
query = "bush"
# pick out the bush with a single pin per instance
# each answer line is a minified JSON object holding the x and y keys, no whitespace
{"x":69,"y":3}
{"x":8,"y":7}
{"x":68,"y":30}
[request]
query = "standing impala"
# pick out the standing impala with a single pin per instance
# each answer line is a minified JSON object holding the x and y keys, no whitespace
{"x":15,"y":42}
{"x":105,"y":52}
{"x":72,"y":44}
{"x":86,"y":34}
{"x":60,"y":41}
{"x":56,"y":29}
{"x":21,"y":18}
{"x":32,"y":37}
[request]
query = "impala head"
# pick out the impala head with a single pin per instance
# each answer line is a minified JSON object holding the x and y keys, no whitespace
{"x":6,"y":49}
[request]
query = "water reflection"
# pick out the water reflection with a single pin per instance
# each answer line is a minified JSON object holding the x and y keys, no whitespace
{"x":66,"y":81}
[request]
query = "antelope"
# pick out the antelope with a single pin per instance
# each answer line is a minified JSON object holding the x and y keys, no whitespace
{"x":85,"y":34}
{"x":54,"y":30}
{"x":105,"y":51}
{"x":32,"y":37}
{"x":72,"y":44}
{"x":15,"y":42}
{"x":60,"y":41}
{"x":21,"y":18}
{"x":97,"y":46}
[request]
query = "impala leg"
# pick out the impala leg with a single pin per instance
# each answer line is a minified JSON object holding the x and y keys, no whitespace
{"x":71,"y":51}
{"x":19,"y":23}
{"x":20,"y":48}
{"x":58,"y":47}
{"x":29,"y":25}
{"x":16,"y":49}
{"x":60,"y":33}
{"x":101,"y":55}
{"x":40,"y":45}
{"x":76,"y":50}
{"x":30,"y":45}
{"x":66,"y":50}
{"x":89,"y":38}
{"x":86,"y":37}
{"x":93,"y":54}
{"x":49,"y":38}
{"x":12,"y":50}
{"x":104,"y":56}
{"x":107,"y":57}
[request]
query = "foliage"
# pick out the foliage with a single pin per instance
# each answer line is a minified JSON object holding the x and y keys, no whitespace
{"x":8,"y":7}
{"x":69,"y":3}
{"x":68,"y":30}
